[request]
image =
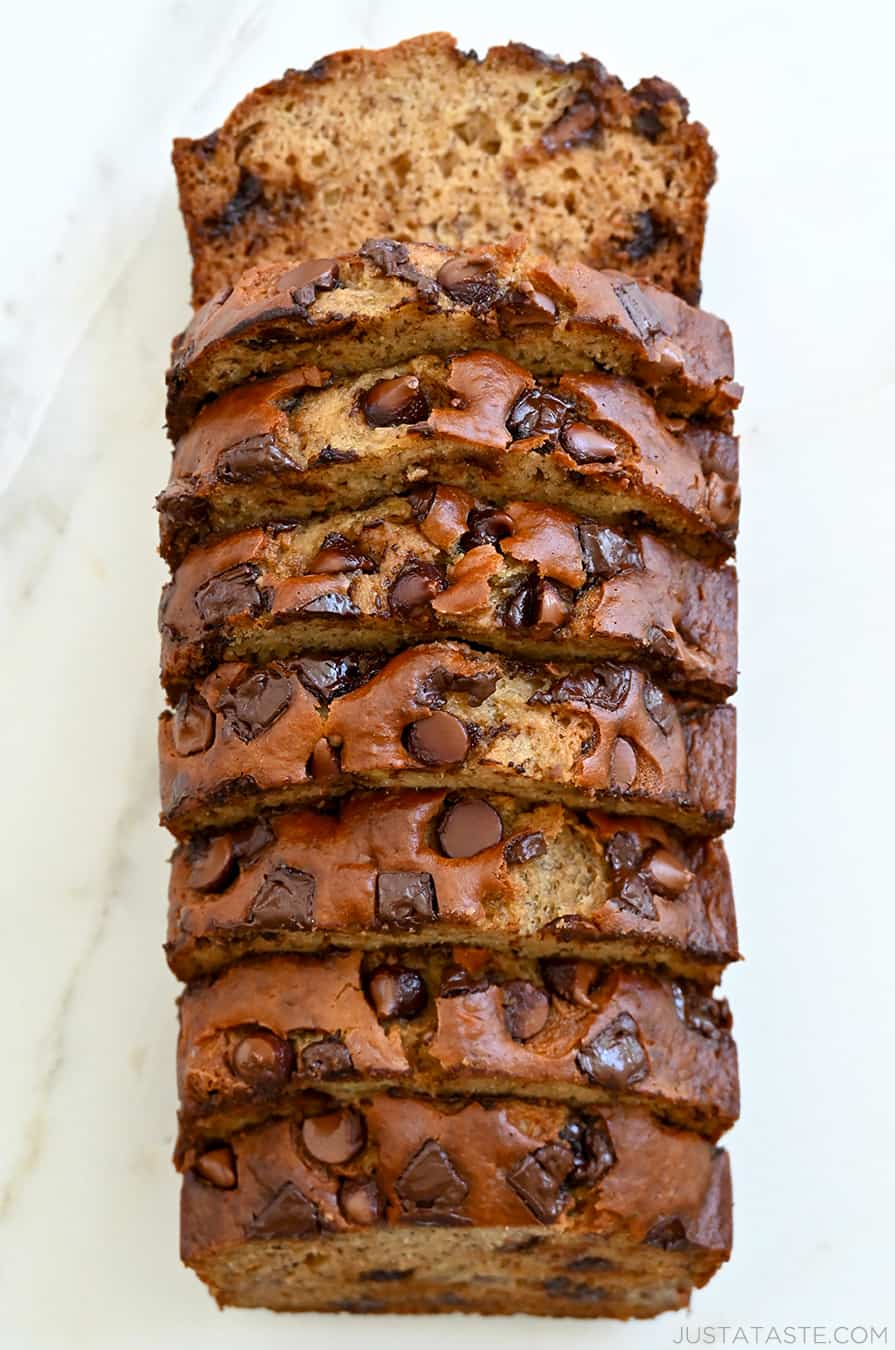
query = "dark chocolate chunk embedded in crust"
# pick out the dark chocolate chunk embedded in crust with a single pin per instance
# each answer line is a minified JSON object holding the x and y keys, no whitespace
{"x":395,"y":402}
{"x":405,"y":900}
{"x":615,"y":1057}
{"x":285,"y":899}
{"x":287,"y":1214}
{"x":430,"y":1181}
{"x":253,"y":703}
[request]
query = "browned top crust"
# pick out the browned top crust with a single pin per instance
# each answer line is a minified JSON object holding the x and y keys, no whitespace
{"x":289,"y":447}
{"x":657,"y":1198}
{"x":390,"y":302}
{"x":311,"y":727}
{"x":527,"y":579}
{"x":437,"y":868}
{"x":424,"y":141}
{"x":445,"y":1022}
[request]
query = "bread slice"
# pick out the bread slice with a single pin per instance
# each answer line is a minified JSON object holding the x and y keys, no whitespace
{"x":533,"y":581}
{"x":493,"y":872}
{"x":390,"y":302}
{"x":412,"y":1206}
{"x":421,"y":141}
{"x":249,"y":739}
{"x":441,"y":1022}
{"x":286,"y":448}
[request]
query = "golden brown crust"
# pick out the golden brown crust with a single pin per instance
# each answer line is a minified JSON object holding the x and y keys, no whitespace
{"x":460,"y":150}
{"x":538,"y":880}
{"x":390,"y":302}
{"x":296,"y":731}
{"x":529,"y":580}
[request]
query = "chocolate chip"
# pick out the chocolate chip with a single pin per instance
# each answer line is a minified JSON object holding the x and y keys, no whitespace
{"x":579,"y":123}
{"x":622,"y":765}
{"x":192,"y":727}
{"x":663,"y":872}
{"x":468,"y":827}
{"x":405,"y":900}
{"x":430,"y":1180}
{"x":607,"y":552}
{"x":537,"y":413}
{"x":396,"y":991}
{"x":539,"y":1191}
{"x":660,"y":707}
{"x":569,"y":979}
{"x":486,"y":525}
{"x":457,"y":980}
{"x":334,"y":1138}
{"x":212,"y":864}
{"x":437,"y":739}
{"x":397,"y":402}
{"x":253,"y":459}
{"x":249,"y":840}
{"x":332,"y":602}
{"x":304,"y":281}
{"x":601,"y":686}
{"x":586,"y":445}
{"x":338,"y":554}
{"x":414,"y":588}
{"x":393,"y":260}
{"x":537,"y":604}
{"x":708,"y":1016}
{"x":263,"y":1060}
{"x":614,"y":1057}
{"x":289,"y":1214}
{"x":285,"y":899}
{"x":525,"y":847}
{"x":255,"y":702}
{"x":635,"y":895}
{"x":328,"y":1058}
{"x":669,"y":1234}
{"x":624,"y":852}
{"x":360,"y":1201}
{"x":234,"y":591}
{"x":470,"y":281}
{"x":327,"y":678}
{"x":526,"y":1008}
{"x":218,"y":1167}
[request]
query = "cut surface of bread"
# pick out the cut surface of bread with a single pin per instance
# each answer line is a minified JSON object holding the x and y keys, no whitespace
{"x":424,"y":141}
{"x":390,"y":302}
{"x":296,"y":445}
{"x":530,"y":580}
{"x":380,"y":870}
{"x":407,"y":1205}
{"x":446,"y":1021}
{"x":597,"y":736}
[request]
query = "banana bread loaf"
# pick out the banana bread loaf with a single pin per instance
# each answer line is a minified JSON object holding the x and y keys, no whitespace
{"x":286,"y":448}
{"x":412,"y":1206}
{"x":531,"y":580}
{"x":425,"y":141}
{"x":445,"y":1021}
{"x":391,"y":301}
{"x":382,"y":869}
{"x":247,"y":739}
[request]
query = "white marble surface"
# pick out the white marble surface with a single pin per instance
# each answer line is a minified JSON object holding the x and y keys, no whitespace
{"x":800,"y":260}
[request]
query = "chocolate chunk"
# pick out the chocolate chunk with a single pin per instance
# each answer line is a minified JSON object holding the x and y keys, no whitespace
{"x":263,"y":1060}
{"x":525,"y":307}
{"x":522,"y":848}
{"x":660,"y":707}
{"x":557,"y":1158}
{"x":334,"y":1138}
{"x":285,"y":899}
{"x":539,"y":1191}
{"x":570,"y":928}
{"x":430,"y":1181}
{"x":662,"y":643}
{"x":386,"y":1276}
{"x":614,"y":1057}
{"x":304,"y":281}
{"x":437,"y":739}
{"x":192,"y":727}
{"x":218,"y":1168}
{"x":338,"y":554}
{"x":569,"y":979}
{"x":414,"y":588}
{"x":327,"y":678}
{"x":470,"y":281}
{"x":457,"y":980}
{"x":249,"y":840}
{"x":393,"y":260}
{"x":441,"y":682}
{"x":622,"y":765}
{"x":536,"y":604}
{"x":537,"y":413}
{"x":663,"y":872}
{"x":212,"y":864}
{"x":624,"y":852}
{"x":587,"y":445}
{"x":486,"y":525}
{"x":254,"y":703}
{"x":289,"y":1214}
{"x":669,"y":1234}
{"x":396,"y":991}
{"x":635,"y":895}
{"x":421,"y":499}
{"x":600,"y":686}
{"x":253,"y":459}
{"x":331,"y":602}
{"x":582,"y":1263}
{"x":405,"y":900}
{"x":248,"y":195}
{"x":651,"y":94}
{"x":234,"y":591}
{"x":578,"y":124}
{"x":180,"y":510}
{"x":591,"y":1144}
{"x":607,"y":552}
{"x":560,"y":1286}
{"x":328,"y":1058}
{"x":397,"y":402}
{"x":525,"y":1008}
{"x":708,"y":1016}
{"x":648,"y":234}
{"x":468,"y":827}
{"x":360,"y":1201}
{"x":637,"y":307}
{"x":333,"y":454}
